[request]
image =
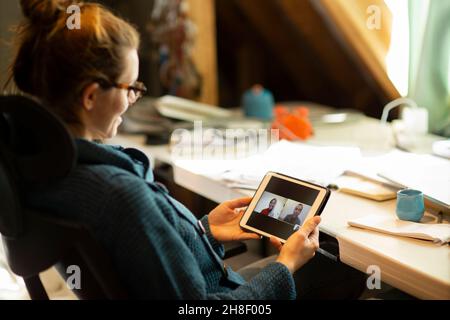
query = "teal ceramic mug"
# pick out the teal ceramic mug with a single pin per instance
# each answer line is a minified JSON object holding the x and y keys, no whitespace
{"x":410,"y":205}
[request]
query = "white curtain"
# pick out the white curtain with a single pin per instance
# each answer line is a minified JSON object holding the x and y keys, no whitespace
{"x":429,"y":65}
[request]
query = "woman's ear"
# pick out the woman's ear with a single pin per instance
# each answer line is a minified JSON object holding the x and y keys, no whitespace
{"x":89,"y":96}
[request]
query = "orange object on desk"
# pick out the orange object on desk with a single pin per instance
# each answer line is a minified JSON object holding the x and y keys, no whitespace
{"x":293,"y":125}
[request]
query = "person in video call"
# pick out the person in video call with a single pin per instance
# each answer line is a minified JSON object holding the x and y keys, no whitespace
{"x":267,"y":211}
{"x":294,"y":217}
{"x":88,"y":77}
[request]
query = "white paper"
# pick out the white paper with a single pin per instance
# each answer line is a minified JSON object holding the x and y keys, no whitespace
{"x":437,"y":232}
{"x":321,"y":165}
{"x":423,"y":172}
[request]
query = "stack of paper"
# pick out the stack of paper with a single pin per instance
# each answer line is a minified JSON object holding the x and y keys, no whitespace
{"x":321,"y":165}
{"x":423,"y":172}
{"x":439,"y":233}
{"x":377,"y":177}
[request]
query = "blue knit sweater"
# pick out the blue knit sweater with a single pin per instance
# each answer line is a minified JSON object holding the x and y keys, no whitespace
{"x":157,"y":245}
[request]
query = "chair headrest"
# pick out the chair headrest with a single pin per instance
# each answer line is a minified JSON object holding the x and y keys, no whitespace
{"x":35,"y":148}
{"x":39,"y":144}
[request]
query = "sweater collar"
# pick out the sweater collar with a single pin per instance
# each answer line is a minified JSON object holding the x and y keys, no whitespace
{"x":129,"y":159}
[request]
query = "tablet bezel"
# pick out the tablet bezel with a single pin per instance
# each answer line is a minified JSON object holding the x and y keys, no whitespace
{"x":316,"y":208}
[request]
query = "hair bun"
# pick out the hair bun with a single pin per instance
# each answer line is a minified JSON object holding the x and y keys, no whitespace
{"x":42,"y":11}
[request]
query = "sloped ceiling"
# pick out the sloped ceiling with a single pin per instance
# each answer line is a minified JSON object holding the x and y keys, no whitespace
{"x":296,"y":49}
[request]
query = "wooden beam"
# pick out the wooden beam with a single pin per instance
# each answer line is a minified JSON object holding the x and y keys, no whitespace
{"x":202,"y":13}
{"x":369,"y":46}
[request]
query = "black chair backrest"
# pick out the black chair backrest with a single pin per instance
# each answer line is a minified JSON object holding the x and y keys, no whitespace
{"x":37,"y":149}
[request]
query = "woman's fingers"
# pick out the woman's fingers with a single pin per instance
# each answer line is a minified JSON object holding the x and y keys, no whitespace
{"x":239,"y":203}
{"x":315,"y":234}
{"x":249,"y":236}
{"x":276,"y":243}
{"x":310,"y":225}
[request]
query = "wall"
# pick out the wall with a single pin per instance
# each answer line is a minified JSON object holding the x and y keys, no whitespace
{"x":9,"y":14}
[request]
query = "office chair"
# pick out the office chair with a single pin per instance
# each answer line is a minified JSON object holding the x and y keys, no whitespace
{"x":36,"y":149}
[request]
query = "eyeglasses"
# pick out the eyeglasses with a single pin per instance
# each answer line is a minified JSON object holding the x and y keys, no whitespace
{"x":135,"y":91}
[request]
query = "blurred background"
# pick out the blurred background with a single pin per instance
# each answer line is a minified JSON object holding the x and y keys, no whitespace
{"x":352,"y":54}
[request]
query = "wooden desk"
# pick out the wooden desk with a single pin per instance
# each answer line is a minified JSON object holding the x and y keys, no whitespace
{"x":419,"y":268}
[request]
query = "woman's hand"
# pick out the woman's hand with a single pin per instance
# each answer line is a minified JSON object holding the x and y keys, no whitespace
{"x":300,"y":247}
{"x":224,"y":221}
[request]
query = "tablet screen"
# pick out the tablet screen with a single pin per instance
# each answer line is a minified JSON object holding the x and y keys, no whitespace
{"x":282,"y":208}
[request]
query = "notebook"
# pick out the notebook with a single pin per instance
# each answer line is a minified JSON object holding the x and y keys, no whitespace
{"x":365,"y":187}
{"x":438,"y":232}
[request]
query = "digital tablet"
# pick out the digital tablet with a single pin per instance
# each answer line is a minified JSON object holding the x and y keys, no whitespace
{"x":282,"y":204}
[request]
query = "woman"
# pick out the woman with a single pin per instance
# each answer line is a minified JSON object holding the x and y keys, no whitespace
{"x":267,"y":211}
{"x":88,"y":77}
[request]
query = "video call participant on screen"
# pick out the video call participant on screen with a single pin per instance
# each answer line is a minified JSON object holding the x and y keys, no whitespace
{"x":294,"y":217}
{"x":267,"y":211}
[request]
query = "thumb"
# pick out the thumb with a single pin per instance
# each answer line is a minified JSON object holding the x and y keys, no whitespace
{"x":239,"y":203}
{"x":310,"y":225}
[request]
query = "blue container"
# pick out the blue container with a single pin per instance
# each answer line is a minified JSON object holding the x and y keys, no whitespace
{"x":410,"y":205}
{"x":258,"y":103}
